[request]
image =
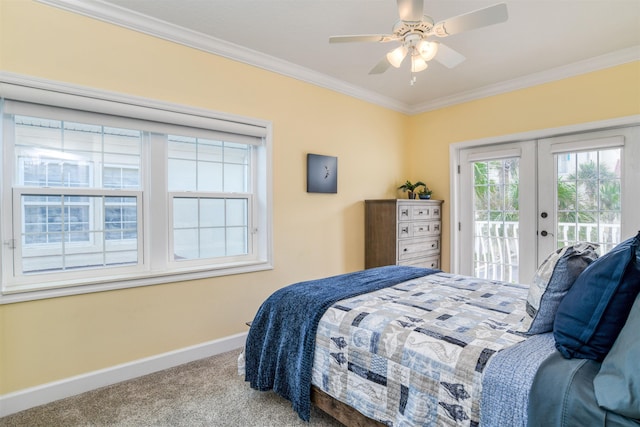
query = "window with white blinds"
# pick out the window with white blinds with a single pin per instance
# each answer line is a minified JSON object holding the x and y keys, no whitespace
{"x":118,"y":194}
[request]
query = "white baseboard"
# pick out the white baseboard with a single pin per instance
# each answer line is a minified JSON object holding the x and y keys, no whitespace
{"x":46,"y":393}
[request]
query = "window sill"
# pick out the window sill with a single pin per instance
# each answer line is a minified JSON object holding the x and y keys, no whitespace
{"x":23,"y":294}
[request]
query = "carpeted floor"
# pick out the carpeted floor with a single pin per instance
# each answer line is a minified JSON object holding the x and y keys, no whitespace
{"x":208,"y":392}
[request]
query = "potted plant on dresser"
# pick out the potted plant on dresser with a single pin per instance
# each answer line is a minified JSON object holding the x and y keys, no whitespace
{"x":410,"y":188}
{"x":425,"y":193}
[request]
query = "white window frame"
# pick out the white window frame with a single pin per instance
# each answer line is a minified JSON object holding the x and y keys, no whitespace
{"x":28,"y":282}
{"x":251,"y":238}
{"x":155,"y":265}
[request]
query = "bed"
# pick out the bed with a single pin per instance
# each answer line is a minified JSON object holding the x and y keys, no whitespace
{"x":403,"y":346}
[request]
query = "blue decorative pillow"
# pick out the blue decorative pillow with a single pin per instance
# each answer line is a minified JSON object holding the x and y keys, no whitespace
{"x":596,"y":307}
{"x":551,"y":283}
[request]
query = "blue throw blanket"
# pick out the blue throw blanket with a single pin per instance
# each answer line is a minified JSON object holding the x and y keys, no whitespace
{"x":281,"y":341}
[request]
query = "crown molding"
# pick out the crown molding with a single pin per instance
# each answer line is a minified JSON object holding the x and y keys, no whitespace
{"x":154,"y":27}
{"x":138,"y":22}
{"x":581,"y":67}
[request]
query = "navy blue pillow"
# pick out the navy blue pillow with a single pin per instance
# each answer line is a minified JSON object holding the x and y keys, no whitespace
{"x":596,"y":307}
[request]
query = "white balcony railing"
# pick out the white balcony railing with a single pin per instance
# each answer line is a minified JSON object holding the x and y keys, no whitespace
{"x":497,"y":254}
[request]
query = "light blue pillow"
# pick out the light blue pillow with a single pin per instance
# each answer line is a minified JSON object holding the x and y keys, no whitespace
{"x":551,"y":283}
{"x":596,"y":307}
{"x":617,"y":385}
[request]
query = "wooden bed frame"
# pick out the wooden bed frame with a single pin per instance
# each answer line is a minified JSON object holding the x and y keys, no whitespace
{"x":341,"y":411}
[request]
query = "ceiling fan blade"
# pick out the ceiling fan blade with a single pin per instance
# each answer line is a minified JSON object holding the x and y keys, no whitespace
{"x":472,"y":20}
{"x":381,"y":66}
{"x":381,"y":38}
{"x":411,"y":10}
{"x":448,"y":57}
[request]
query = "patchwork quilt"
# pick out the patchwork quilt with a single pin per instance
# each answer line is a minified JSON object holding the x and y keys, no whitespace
{"x":414,"y":353}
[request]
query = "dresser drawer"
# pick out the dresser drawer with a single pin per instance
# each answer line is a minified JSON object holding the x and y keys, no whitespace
{"x":414,"y":248}
{"x":428,"y":262}
{"x":418,"y":229}
{"x":421,"y":212}
{"x":431,"y":228}
{"x":418,"y":211}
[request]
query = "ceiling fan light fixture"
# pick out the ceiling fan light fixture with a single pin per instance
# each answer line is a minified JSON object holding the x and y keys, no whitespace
{"x":418,"y":64}
{"x":396,"y":56}
{"x":439,"y":30}
{"x":427,"y":49}
{"x":414,"y":28}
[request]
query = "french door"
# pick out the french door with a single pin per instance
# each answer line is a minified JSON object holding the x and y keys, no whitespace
{"x":521,"y":201}
{"x":497,"y":210}
{"x":589,"y":189}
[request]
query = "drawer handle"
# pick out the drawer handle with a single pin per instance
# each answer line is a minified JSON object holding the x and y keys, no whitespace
{"x":405,"y":249}
{"x":433,"y":245}
{"x":405,"y":230}
{"x":420,"y":229}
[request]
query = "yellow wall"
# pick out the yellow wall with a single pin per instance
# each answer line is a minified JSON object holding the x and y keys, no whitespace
{"x":609,"y":93}
{"x":314,"y":235}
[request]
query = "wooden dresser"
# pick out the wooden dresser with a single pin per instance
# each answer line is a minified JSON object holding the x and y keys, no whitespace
{"x":402,"y":232}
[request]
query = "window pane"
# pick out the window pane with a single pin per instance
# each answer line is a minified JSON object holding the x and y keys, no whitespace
{"x":212,"y":212}
{"x":120,"y":218}
{"x":212,"y":242}
{"x":83,"y":139}
{"x":197,"y":164}
{"x":210,"y":151}
{"x":182,"y":164}
{"x":237,"y":212}
{"x":235,"y":178}
{"x":182,"y":175}
{"x":121,"y":177}
{"x":121,"y":142}
{"x":185,"y":244}
{"x":182,"y":147}
{"x":588,"y":198}
{"x":121,"y":252}
{"x":41,"y":134}
{"x":52,"y":153}
{"x":497,"y":218}
{"x":70,"y":232}
{"x":205,"y":227}
{"x":210,"y":177}
{"x":236,"y":153}
{"x":185,"y":213}
{"x":236,"y":241}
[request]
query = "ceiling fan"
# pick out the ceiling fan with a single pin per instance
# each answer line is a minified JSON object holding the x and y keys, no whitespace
{"x":414,"y":29}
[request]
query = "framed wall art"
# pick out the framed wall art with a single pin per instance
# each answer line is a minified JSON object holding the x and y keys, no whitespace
{"x":322,"y":174}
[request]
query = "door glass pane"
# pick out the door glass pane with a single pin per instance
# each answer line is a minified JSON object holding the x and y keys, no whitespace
{"x":496,"y":219}
{"x":588,"y":198}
